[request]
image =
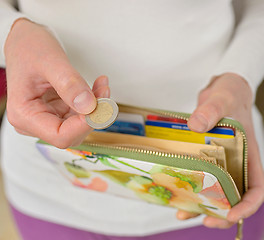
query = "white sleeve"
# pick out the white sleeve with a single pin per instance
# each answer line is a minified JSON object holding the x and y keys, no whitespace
{"x":8,"y":14}
{"x":245,"y":53}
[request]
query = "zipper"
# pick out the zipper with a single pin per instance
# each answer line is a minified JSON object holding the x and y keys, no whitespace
{"x":185,"y":116}
{"x":163,"y":154}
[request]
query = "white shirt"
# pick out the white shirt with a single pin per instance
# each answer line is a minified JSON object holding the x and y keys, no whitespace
{"x":147,"y":48}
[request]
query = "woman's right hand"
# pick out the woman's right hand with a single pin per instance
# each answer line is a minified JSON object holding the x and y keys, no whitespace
{"x":46,"y":97}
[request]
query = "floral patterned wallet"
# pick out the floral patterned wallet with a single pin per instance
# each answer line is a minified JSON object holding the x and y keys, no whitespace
{"x":200,"y":178}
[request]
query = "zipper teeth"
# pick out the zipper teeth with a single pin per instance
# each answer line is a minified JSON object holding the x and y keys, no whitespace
{"x":245,"y":152}
{"x":223,"y":125}
{"x":150,"y":152}
{"x":163,"y":154}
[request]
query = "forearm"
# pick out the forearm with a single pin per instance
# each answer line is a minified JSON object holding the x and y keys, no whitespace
{"x":245,"y":53}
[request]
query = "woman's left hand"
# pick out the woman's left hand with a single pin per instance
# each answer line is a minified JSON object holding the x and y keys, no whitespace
{"x":229,"y":95}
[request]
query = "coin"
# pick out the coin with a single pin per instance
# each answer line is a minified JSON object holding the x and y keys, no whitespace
{"x":104,"y":114}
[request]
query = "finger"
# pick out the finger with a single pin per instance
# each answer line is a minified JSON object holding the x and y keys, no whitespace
{"x":254,"y":197}
{"x":61,"y":133}
{"x":183,"y":215}
{"x":70,"y":86}
{"x":22,"y":132}
{"x":69,"y":114}
{"x":100,"y":82}
{"x":102,"y":92}
{"x":209,"y":113}
{"x":213,"y":222}
{"x":53,"y":99}
{"x":49,"y":127}
{"x":60,"y":107}
{"x":250,"y":203}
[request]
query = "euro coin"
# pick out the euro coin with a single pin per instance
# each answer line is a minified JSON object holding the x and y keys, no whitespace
{"x":104,"y":114}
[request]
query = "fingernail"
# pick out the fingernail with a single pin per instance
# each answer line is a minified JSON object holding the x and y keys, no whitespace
{"x":85,"y":102}
{"x":198,"y":123}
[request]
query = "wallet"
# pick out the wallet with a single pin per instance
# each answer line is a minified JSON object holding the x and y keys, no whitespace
{"x":201,"y":178}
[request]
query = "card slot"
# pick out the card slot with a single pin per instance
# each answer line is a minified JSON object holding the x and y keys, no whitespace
{"x":234,"y":157}
{"x":218,"y":154}
{"x":152,"y":144}
{"x":204,"y":154}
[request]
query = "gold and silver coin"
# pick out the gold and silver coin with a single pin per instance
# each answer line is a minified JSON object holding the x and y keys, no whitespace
{"x":104,"y":114}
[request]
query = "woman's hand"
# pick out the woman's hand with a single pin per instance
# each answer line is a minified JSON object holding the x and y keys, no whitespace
{"x":229,"y":95}
{"x":46,"y":97}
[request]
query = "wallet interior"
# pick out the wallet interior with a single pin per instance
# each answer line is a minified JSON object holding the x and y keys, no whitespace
{"x":226,"y":152}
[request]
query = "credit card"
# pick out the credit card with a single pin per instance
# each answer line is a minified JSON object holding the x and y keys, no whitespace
{"x":175,"y":120}
{"x":181,"y":132}
{"x":166,"y":119}
{"x":128,"y":123}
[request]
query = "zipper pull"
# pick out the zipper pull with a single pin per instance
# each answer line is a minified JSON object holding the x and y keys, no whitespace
{"x":239,"y":234}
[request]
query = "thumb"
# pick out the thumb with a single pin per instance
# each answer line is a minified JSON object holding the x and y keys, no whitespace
{"x":71,"y":87}
{"x":209,"y":113}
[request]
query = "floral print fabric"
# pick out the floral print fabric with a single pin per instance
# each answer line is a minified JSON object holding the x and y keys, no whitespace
{"x":194,"y":191}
